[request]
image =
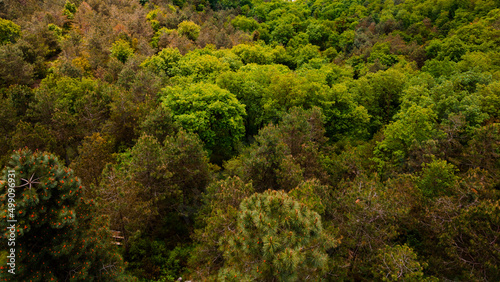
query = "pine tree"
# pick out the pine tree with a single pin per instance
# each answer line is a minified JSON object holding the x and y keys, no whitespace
{"x":218,"y":218}
{"x":277,"y":239}
{"x":58,"y":234}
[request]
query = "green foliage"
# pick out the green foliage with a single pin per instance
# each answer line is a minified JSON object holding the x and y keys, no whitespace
{"x":276,"y":238}
{"x":218,"y":217}
{"x":10,"y":118}
{"x":19,"y":97}
{"x":228,"y":4}
{"x":439,"y":68}
{"x":284,"y":155}
{"x":159,"y":124}
{"x":244,"y":23}
{"x":318,"y":34}
{"x":165,"y":61}
{"x":269,"y":91}
{"x":249,"y":84}
{"x":484,"y":147}
{"x":72,"y":107}
{"x":156,"y":190}
{"x":256,"y":54}
{"x":159,"y":34}
{"x":380,"y":116}
{"x":456,"y":96}
{"x":381,"y":52}
{"x":69,"y":10}
{"x":153,"y":16}
{"x":210,"y":111}
{"x":380,"y":94}
{"x":57,"y":231}
{"x":306,"y":53}
{"x":413,"y":127}
{"x":67,"y":95}
{"x":9,"y":31}
{"x":189,"y":166}
{"x":305,"y":194}
{"x":470,"y":241}
{"x":94,"y":154}
{"x":344,"y":116}
{"x":367,"y":213}
{"x":154,"y":260}
{"x":398,"y":263}
{"x":230,"y":58}
{"x":121,"y":50}
{"x":33,"y":136}
{"x":201,"y":66}
{"x":154,"y":183}
{"x":437,"y":178}
{"x":189,"y":29}
{"x":13,"y":68}
{"x":57,"y":30}
{"x":489,"y":97}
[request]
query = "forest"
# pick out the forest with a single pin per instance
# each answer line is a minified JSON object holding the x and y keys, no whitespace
{"x":250,"y":140}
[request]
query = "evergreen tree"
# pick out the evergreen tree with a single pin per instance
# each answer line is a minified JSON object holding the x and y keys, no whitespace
{"x":58,"y":234}
{"x":277,"y":239}
{"x":218,"y":218}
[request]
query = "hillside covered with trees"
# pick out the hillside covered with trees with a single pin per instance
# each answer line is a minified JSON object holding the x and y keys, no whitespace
{"x":250,"y":140}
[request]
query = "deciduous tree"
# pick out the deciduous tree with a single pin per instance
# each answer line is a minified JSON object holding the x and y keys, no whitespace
{"x":210,"y":111}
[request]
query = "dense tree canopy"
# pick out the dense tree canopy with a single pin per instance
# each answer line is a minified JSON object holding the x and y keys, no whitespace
{"x":248,"y":140}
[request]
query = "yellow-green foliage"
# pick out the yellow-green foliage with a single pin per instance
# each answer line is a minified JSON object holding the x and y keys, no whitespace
{"x":121,"y":50}
{"x":189,"y":29}
{"x":9,"y":31}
